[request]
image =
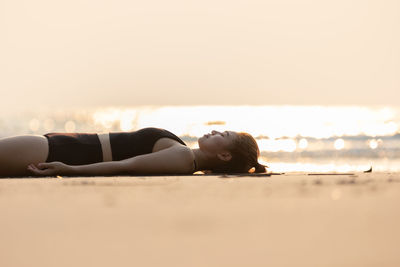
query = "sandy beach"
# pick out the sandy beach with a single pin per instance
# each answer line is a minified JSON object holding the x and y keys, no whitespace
{"x":281,"y":220}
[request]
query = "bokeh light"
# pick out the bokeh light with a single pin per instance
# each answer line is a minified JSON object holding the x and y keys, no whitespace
{"x":303,"y":143}
{"x":34,"y":125}
{"x":69,"y":126}
{"x":339,"y":144}
{"x":373,"y":144}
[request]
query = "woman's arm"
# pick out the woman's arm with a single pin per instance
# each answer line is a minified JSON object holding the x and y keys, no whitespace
{"x":59,"y":168}
{"x":100,"y":168}
{"x":176,"y":159}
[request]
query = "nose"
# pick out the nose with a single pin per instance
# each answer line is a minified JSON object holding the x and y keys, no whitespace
{"x":214,"y":132}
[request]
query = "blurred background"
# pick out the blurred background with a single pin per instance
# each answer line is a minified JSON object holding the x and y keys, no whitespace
{"x":316,"y":82}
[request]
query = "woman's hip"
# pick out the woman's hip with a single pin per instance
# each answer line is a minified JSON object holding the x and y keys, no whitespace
{"x":17,"y":152}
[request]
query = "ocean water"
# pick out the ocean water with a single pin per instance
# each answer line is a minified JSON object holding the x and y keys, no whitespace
{"x":291,"y":138}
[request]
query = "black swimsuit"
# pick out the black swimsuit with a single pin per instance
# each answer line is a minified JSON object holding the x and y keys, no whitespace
{"x":130,"y":144}
{"x":85,"y":148}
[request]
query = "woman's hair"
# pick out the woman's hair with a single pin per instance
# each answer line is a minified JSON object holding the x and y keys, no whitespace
{"x":245,"y":153}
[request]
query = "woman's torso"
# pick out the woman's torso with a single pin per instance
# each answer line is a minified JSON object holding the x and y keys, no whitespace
{"x":82,"y":148}
{"x":130,"y":144}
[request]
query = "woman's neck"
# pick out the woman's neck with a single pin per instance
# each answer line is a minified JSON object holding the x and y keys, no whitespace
{"x":203,"y":161}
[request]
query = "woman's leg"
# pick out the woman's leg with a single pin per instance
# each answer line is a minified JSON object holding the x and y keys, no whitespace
{"x":17,"y":152}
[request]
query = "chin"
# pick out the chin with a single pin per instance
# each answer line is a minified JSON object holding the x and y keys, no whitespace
{"x":200,"y":142}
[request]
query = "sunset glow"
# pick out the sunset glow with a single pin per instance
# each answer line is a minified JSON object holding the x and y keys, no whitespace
{"x":270,"y":121}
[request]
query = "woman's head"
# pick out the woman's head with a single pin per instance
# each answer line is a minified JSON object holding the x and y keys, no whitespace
{"x":235,"y":152}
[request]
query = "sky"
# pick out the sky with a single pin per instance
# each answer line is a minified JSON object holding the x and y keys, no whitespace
{"x":183,"y":52}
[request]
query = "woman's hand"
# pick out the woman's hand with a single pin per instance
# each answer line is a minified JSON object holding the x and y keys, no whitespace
{"x":51,"y":168}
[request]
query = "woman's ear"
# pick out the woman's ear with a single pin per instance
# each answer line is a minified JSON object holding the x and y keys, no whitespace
{"x":225,"y":156}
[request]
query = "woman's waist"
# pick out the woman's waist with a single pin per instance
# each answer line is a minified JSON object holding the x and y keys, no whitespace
{"x":105,"y":146}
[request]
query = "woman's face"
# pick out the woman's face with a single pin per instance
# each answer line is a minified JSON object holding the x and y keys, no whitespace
{"x":216,"y":142}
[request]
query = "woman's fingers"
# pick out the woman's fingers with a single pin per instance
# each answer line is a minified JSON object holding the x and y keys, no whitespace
{"x":42,"y":171}
{"x":44,"y":165}
{"x":48,"y":168}
{"x":33,"y":169}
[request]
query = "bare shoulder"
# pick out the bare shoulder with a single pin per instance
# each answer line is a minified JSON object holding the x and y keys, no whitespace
{"x":183,"y":156}
{"x":176,"y":151}
{"x":184,"y":153}
{"x":174,"y":159}
{"x":164,"y":143}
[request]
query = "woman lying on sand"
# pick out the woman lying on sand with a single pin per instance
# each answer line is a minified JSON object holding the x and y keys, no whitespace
{"x":146,"y":151}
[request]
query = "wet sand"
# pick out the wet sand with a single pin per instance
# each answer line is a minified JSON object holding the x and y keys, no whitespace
{"x":281,"y":220}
